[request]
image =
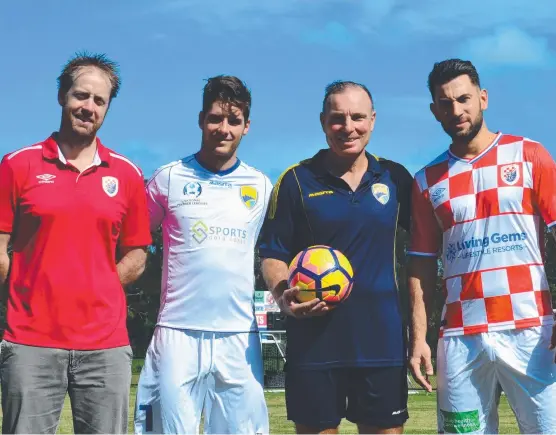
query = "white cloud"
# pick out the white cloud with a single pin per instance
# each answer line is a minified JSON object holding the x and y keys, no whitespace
{"x":453,"y":17}
{"x":385,"y":18}
{"x":509,"y":46}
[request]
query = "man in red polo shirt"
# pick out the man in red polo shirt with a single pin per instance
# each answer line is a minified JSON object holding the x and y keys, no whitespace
{"x":75,"y":214}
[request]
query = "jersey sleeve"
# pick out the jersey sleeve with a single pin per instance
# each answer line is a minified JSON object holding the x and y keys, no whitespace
{"x":277,"y":235}
{"x":425,"y":231}
{"x":135,"y":225}
{"x":8,"y":196}
{"x":267,"y":194}
{"x":544,"y":182}
{"x":157,"y":197}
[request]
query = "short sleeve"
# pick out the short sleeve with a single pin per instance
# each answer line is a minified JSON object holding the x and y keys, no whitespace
{"x":277,"y":235}
{"x":544,"y":181}
{"x":135,"y":225}
{"x":425,"y":231}
{"x":157,"y":197}
{"x":8,"y":196}
{"x":267,"y":194}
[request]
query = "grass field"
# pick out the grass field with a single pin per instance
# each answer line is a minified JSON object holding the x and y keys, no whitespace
{"x":422,"y":410}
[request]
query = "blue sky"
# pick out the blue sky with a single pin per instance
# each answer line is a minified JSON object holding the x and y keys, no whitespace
{"x":287,"y":51}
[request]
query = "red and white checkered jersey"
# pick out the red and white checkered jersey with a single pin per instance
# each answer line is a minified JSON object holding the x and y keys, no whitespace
{"x":486,"y":215}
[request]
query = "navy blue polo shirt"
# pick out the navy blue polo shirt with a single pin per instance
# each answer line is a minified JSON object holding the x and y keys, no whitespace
{"x":310,"y":206}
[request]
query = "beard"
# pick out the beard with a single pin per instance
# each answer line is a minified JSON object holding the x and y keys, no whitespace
{"x":85,"y":130}
{"x":469,"y":134}
{"x":81,"y":133}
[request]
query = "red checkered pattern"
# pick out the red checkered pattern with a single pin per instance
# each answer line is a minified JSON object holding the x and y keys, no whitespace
{"x":485,"y":216}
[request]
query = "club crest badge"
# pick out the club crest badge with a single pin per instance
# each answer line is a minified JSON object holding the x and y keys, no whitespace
{"x":249,"y":196}
{"x":510,"y":174}
{"x":110,"y":186}
{"x":381,"y":192}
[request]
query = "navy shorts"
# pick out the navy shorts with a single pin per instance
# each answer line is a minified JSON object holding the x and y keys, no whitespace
{"x":372,"y":396}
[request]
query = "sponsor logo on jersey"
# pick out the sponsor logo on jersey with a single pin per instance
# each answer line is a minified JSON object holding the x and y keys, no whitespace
{"x":192,"y":192}
{"x":476,"y":246}
{"x":437,"y":195}
{"x":46,"y":178}
{"x":223,"y":184}
{"x":110,"y":186}
{"x":381,"y":192}
{"x":192,"y":189}
{"x":249,"y":196}
{"x":200,"y":232}
{"x":510,"y":173}
{"x":321,"y":193}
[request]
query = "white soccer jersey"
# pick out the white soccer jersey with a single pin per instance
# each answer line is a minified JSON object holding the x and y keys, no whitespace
{"x":210,"y":223}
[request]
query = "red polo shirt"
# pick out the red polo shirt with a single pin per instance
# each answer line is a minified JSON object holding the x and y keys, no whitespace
{"x":64,"y":290}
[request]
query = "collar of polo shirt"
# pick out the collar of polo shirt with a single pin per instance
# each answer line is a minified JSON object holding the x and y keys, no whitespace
{"x":320,"y":170}
{"x":51,"y":151}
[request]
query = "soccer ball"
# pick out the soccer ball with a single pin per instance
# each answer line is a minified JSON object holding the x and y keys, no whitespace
{"x":321,"y":272}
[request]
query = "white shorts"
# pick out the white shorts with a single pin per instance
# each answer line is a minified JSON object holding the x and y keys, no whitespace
{"x":187,"y":371}
{"x":474,"y":369}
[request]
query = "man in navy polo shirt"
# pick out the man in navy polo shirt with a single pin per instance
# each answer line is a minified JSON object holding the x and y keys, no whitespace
{"x":349,"y":362}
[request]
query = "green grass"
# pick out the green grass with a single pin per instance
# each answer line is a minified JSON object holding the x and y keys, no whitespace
{"x":422,"y":410}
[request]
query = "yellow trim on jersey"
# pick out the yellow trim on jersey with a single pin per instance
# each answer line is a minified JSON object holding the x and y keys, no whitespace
{"x":274,"y":198}
{"x":395,"y":243}
{"x":273,"y":206}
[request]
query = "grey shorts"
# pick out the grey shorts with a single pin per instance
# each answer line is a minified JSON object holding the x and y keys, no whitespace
{"x":35,"y":381}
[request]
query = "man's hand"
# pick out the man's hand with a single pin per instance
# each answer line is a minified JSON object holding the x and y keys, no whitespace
{"x":275,"y":273}
{"x":421,"y":356}
{"x":301,"y":310}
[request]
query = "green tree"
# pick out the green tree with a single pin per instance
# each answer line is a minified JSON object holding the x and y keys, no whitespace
{"x":143,"y":299}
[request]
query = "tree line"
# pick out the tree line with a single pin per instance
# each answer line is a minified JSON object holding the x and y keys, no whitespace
{"x":143,"y":296}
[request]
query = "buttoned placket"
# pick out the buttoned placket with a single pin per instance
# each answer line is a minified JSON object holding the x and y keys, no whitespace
{"x":96,"y":162}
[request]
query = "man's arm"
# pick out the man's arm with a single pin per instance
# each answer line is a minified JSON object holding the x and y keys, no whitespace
{"x":422,"y":281}
{"x":4,"y":258}
{"x":553,"y":339}
{"x":275,"y":275}
{"x":132,"y":264}
{"x":544,"y":191}
{"x":423,"y":253}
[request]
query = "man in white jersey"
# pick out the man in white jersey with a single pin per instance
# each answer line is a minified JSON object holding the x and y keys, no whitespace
{"x":205,"y":353}
{"x":483,"y":206}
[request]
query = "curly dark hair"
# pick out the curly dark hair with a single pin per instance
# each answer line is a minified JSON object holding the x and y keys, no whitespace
{"x":229,"y":90}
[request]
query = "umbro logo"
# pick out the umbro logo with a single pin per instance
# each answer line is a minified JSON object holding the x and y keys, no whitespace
{"x":437,"y":195}
{"x":46,"y":178}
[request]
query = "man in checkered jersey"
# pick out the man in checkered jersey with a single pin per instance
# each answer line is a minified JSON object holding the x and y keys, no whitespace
{"x":483,"y":205}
